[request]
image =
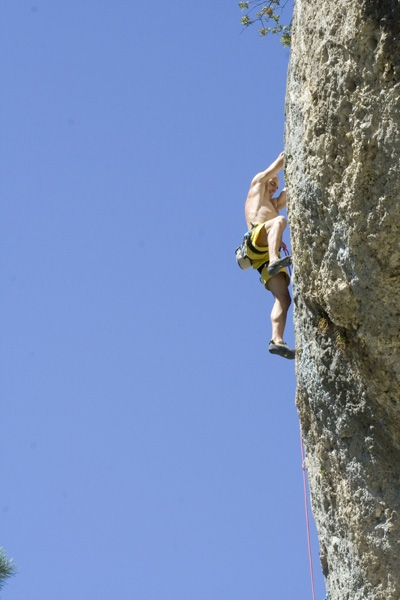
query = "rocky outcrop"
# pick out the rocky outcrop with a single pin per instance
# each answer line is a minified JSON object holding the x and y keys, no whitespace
{"x":342,"y":145}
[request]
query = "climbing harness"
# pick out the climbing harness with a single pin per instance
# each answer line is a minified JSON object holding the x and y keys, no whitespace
{"x":245,"y":262}
{"x":303,"y":458}
{"x":242,"y":259}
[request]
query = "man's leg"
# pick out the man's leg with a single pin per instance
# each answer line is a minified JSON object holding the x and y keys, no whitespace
{"x":278,"y":286}
{"x":275,"y":228}
{"x":271,"y":235}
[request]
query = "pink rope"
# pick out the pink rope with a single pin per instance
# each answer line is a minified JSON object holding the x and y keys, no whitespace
{"x":307,"y":512}
{"x":287,"y":253}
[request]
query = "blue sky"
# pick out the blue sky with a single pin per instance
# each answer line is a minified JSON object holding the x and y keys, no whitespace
{"x":150,"y":444}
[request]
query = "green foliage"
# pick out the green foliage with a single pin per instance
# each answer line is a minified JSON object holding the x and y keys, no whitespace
{"x":7,"y":568}
{"x":268,"y":16}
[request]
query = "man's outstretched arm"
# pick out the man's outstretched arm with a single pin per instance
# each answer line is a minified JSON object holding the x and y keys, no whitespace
{"x":271,"y":171}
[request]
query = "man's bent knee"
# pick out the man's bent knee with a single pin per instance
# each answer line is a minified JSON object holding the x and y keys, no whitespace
{"x":281,"y":221}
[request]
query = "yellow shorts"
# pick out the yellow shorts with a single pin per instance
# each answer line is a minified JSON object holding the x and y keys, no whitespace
{"x":261,"y":261}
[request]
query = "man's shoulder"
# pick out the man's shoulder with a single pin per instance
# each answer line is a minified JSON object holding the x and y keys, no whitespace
{"x":259,"y":179}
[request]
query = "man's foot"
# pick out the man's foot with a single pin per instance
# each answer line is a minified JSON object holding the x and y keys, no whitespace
{"x":282,"y":350}
{"x":274,"y":268}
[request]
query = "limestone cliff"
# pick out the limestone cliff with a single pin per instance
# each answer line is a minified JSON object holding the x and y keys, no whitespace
{"x":342,"y":145}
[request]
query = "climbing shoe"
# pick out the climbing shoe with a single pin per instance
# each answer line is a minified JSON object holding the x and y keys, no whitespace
{"x":281,"y":350}
{"x":274,"y":268}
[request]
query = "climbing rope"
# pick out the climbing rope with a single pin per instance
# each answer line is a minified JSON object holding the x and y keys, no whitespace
{"x":303,"y":458}
{"x":287,"y":253}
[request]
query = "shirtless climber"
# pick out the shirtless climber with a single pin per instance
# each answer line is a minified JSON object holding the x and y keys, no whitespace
{"x":263,"y":247}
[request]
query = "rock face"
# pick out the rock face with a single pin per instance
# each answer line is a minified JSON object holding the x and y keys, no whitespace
{"x":342,"y":145}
